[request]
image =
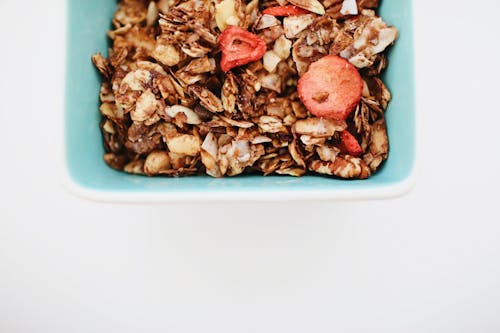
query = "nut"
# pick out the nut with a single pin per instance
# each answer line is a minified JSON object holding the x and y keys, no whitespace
{"x":156,"y":162}
{"x":184,"y":144}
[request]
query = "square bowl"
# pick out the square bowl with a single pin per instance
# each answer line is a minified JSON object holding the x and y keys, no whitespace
{"x":87,"y":175}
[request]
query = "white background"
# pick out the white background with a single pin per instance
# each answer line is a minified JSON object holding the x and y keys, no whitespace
{"x":427,"y":262}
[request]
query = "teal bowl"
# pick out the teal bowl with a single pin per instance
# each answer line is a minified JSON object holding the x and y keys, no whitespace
{"x":87,"y":175}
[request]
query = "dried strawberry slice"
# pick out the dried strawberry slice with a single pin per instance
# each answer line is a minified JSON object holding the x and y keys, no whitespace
{"x":349,"y":144}
{"x":239,"y":47}
{"x":288,"y":10}
{"x":331,"y":88}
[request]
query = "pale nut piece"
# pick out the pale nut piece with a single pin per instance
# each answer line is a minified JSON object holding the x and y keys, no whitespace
{"x":225,"y":14}
{"x":156,"y":162}
{"x":271,"y":81}
{"x":271,"y":61}
{"x":108,"y":127}
{"x":184,"y":144}
{"x":282,"y":47}
{"x":167,"y":54}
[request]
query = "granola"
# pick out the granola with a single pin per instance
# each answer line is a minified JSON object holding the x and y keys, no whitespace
{"x":177,"y":100}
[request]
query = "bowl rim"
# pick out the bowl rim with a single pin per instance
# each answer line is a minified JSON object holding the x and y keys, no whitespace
{"x":386,"y":192}
{"x":389,"y":191}
{"x":382,"y":192}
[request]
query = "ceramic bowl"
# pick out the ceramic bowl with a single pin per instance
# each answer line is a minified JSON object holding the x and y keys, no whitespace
{"x":87,"y":175}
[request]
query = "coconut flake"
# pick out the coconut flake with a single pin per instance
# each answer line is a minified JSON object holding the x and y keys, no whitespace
{"x":349,"y":7}
{"x":267,"y":21}
{"x":192,"y":117}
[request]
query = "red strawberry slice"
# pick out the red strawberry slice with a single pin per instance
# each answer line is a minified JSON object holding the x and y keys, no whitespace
{"x":331,"y":88}
{"x":349,"y":144}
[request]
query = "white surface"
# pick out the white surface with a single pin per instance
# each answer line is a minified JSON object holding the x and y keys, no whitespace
{"x":428,"y":262}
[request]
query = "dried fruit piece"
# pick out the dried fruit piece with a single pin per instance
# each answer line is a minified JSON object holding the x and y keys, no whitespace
{"x":239,"y":47}
{"x":288,"y":10}
{"x":331,"y":88}
{"x":349,"y":144}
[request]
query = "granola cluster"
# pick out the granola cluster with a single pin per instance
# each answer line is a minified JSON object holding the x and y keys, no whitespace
{"x":168,"y":108}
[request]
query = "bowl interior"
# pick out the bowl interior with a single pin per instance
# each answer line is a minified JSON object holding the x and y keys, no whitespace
{"x":88,"y":22}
